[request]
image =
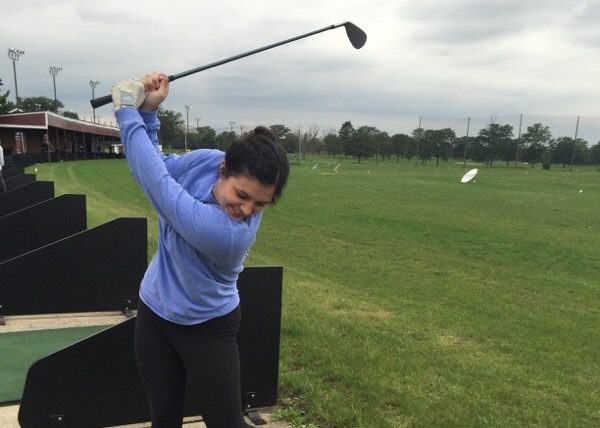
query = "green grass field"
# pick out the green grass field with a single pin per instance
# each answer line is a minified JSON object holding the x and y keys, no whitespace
{"x":413,"y":300}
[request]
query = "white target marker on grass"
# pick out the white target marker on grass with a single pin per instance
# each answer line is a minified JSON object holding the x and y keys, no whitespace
{"x":470,"y":175}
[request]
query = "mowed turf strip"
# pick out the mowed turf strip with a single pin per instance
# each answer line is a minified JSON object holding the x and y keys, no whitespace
{"x":411,"y":299}
{"x":20,"y":350}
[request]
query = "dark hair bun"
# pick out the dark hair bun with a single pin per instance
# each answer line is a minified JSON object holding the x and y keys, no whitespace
{"x":263,"y":131}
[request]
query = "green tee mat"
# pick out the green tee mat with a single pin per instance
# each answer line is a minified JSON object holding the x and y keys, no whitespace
{"x":19,"y":350}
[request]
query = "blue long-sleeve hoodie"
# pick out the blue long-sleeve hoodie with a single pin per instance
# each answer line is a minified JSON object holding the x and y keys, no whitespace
{"x":201,"y":250}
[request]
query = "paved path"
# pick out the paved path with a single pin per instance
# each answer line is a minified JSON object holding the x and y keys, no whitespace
{"x":9,"y":419}
{"x":49,"y":322}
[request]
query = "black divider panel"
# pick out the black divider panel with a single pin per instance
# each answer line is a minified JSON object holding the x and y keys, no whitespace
{"x":26,"y":196}
{"x":95,"y":382}
{"x":41,"y":224}
{"x":9,"y":172}
{"x":25,"y":159}
{"x":19,"y":180}
{"x":260,"y":294}
{"x":89,"y":384}
{"x":94,"y":270}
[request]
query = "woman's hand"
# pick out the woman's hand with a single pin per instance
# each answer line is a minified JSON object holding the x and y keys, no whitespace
{"x":157,"y":90}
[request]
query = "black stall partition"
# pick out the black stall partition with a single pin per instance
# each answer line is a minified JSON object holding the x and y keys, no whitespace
{"x":41,"y":224}
{"x":95,"y":383}
{"x":98,"y":269}
{"x":19,"y":180}
{"x":26,"y":196}
{"x":10,"y":171}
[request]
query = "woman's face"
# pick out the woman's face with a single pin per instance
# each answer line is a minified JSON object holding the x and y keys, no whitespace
{"x":241,"y":196}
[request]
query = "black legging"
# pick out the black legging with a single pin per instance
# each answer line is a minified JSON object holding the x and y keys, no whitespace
{"x":169,"y":355}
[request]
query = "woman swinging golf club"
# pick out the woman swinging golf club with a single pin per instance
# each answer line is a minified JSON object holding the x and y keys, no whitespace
{"x":210,"y":205}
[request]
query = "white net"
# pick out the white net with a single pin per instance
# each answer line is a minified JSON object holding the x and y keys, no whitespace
{"x":560,"y":126}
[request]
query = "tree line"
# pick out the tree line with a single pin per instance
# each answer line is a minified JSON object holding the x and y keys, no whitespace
{"x":28,"y":104}
{"x":495,"y":143}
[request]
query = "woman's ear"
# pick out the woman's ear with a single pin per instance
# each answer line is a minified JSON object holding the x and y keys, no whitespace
{"x":222,"y":169}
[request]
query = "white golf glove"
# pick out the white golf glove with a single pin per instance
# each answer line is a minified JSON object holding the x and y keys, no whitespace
{"x":129,"y":93}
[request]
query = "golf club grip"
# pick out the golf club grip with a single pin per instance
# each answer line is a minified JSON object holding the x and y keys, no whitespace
{"x":101,"y":101}
{"x":107,"y":99}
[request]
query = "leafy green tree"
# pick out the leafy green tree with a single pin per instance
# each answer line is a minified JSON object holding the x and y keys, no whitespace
{"x":347,"y":134}
{"x":563,"y":151}
{"x":70,"y":114}
{"x":384,"y":145}
{"x":290,"y":143}
{"x":205,"y":138}
{"x":280,"y":131}
{"x":581,"y":155}
{"x":171,"y":128}
{"x":333,"y":144}
{"x":568,"y":150}
{"x":5,"y":104}
{"x":364,"y":143}
{"x":402,"y":146}
{"x":476,"y":151}
{"x":40,"y":104}
{"x":434,"y":143}
{"x":507,"y":150}
{"x":595,"y":154}
{"x":418,"y":135}
{"x":458,"y":147}
{"x":224,"y":139}
{"x":536,"y":141}
{"x":426,"y":145}
{"x":495,"y":138}
{"x":443,"y":140}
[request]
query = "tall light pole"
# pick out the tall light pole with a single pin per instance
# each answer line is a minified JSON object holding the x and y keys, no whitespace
{"x":54,"y":72}
{"x":198,"y":119}
{"x":231,"y":123}
{"x":187,"y":123}
{"x":14,"y":55}
{"x":93,"y":84}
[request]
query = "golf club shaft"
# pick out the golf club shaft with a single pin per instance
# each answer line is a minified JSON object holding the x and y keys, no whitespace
{"x":99,"y":102}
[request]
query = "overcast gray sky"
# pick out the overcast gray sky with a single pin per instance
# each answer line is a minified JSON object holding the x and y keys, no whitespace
{"x":436,"y":59}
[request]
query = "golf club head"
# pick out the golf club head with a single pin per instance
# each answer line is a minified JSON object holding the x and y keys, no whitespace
{"x":357,"y":37}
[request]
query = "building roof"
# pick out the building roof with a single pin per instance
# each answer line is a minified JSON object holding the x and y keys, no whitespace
{"x":46,"y":119}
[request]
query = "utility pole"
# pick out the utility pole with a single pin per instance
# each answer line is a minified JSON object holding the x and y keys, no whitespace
{"x":466,"y":142}
{"x":519,"y":140}
{"x":574,"y":143}
{"x":187,"y":124}
{"x":418,"y":140}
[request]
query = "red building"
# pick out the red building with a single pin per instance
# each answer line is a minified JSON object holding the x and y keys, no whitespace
{"x":56,"y":136}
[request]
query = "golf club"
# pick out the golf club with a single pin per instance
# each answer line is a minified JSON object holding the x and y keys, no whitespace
{"x":356,"y":36}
